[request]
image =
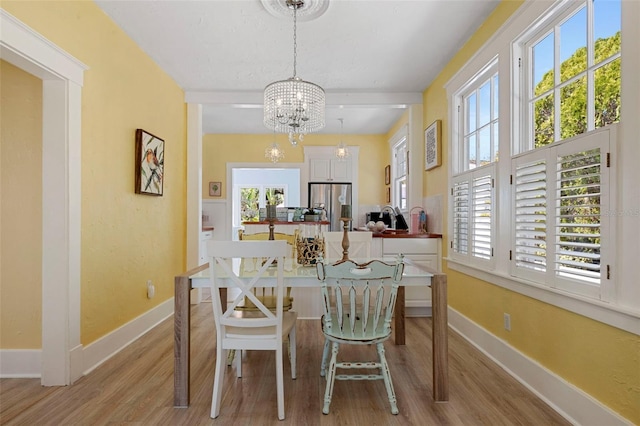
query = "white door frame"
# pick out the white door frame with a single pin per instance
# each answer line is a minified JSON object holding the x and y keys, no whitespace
{"x":62,"y":77}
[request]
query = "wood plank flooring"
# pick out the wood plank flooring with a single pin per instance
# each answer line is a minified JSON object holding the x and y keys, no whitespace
{"x":136,"y":387}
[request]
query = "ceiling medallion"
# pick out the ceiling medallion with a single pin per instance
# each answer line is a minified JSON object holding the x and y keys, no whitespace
{"x":311,"y":9}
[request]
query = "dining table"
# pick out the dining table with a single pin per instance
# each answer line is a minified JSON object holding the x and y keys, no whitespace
{"x":296,"y":275}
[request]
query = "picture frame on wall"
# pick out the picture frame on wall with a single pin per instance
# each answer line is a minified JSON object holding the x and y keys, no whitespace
{"x":432,"y":144}
{"x":388,"y":194}
{"x":215,"y":189}
{"x":149,"y":164}
{"x":387,"y":175}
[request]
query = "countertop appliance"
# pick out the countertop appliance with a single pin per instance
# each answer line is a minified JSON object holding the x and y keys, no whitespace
{"x":332,"y":196}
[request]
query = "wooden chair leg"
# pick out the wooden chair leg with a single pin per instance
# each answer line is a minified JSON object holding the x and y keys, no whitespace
{"x":218,"y":381}
{"x":325,"y":356}
{"x":239,"y":363}
{"x":328,"y":393}
{"x":292,"y":352}
{"x":386,"y":375}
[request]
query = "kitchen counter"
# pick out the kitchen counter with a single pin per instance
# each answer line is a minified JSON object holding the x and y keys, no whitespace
{"x":277,"y":222}
{"x":393,"y":234}
{"x":399,"y":233}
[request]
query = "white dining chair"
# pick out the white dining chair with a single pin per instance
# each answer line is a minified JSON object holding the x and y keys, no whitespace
{"x":259,"y":329}
{"x":358,"y":301}
{"x":359,"y":244}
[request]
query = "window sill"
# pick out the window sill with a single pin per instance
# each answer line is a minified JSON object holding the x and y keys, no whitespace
{"x":616,"y":316}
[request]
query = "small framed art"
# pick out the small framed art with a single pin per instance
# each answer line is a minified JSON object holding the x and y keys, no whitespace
{"x":215,"y":189}
{"x":388,"y":194}
{"x":432,"y":155}
{"x":387,"y":175}
{"x":149,"y":163}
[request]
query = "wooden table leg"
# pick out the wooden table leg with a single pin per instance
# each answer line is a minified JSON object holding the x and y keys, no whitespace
{"x":440,"y":338}
{"x":399,"y":314}
{"x":181,"y":345}
{"x":182,"y":336}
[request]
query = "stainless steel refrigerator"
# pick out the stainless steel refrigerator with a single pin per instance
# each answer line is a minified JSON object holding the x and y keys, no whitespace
{"x":330,"y":196}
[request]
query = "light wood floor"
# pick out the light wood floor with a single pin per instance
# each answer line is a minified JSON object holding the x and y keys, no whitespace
{"x":136,"y":387}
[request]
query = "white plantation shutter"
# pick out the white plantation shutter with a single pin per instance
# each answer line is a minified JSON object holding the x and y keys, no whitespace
{"x":582,"y":175}
{"x":559,"y":202}
{"x":530,"y":193}
{"x":482,"y":213}
{"x":460,"y":209}
{"x":473,"y":205}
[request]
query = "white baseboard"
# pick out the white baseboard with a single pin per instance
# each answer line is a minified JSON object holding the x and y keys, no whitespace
{"x":107,"y":346}
{"x":20,"y":363}
{"x":572,"y":403}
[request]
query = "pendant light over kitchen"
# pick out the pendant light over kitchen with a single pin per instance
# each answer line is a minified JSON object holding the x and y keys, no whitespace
{"x":342,"y":152}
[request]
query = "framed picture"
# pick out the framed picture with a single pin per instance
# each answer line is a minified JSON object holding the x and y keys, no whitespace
{"x":149,"y":163}
{"x":215,"y":189}
{"x":388,"y":194}
{"x":432,"y":154}
{"x":387,"y":175}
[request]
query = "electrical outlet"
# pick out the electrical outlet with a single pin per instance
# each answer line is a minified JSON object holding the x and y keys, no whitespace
{"x":507,"y":322}
{"x":151,"y":289}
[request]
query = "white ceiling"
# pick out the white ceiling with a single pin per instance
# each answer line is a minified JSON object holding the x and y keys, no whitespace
{"x":372,"y":57}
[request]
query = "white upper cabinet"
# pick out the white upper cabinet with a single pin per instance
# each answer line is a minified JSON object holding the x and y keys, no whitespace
{"x":323,"y":169}
{"x":323,"y":166}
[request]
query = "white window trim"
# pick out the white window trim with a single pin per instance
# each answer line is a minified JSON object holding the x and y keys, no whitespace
{"x":624,"y":311}
{"x":400,"y":137}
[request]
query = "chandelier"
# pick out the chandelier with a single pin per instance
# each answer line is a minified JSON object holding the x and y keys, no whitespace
{"x":294,"y":106}
{"x":342,"y":152}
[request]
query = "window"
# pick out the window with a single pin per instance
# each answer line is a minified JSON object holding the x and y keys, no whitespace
{"x":572,"y":79}
{"x":562,"y":232}
{"x":480,"y":134}
{"x":473,"y":185}
{"x":251,"y":200}
{"x":400,"y":173}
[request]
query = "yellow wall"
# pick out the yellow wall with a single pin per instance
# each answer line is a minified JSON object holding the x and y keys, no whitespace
{"x":126,"y":238}
{"x":218,"y":150}
{"x":599,"y":359}
{"x":21,"y":209}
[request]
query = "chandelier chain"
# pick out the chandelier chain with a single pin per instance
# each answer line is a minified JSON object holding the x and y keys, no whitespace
{"x":295,"y":39}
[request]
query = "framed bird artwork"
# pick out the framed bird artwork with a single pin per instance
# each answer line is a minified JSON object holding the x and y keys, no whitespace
{"x":149,"y":163}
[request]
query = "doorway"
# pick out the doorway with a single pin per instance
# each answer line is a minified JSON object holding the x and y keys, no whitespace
{"x":62,"y":76}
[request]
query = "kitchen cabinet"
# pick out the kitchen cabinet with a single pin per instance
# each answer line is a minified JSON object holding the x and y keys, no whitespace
{"x":424,"y":251}
{"x":205,"y":235}
{"x":323,"y":165}
{"x":329,"y":170}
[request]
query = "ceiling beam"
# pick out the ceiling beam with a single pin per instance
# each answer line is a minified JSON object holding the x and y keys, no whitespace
{"x":246,"y":99}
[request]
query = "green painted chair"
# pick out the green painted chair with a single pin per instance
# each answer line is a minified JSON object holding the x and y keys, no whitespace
{"x":358,"y":301}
